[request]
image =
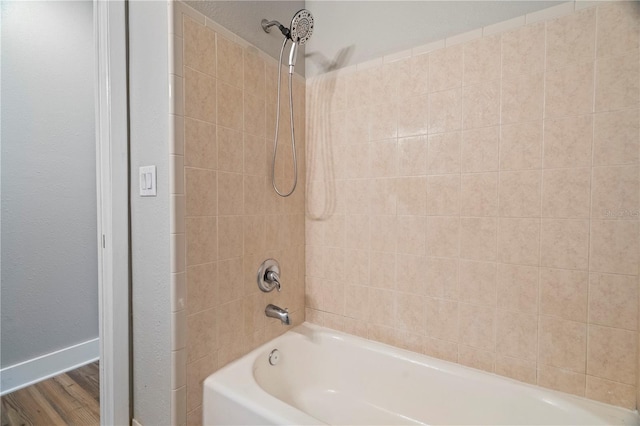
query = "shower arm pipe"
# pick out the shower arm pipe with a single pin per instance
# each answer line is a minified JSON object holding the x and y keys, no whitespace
{"x":293,"y":137}
{"x":266,"y":26}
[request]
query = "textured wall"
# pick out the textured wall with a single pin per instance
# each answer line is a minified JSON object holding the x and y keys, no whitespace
{"x":49,"y":252}
{"x":479,"y":202}
{"x":150,"y":243}
{"x":230,"y":215}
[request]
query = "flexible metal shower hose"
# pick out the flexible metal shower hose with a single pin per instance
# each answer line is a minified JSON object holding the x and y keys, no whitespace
{"x":293,"y":136}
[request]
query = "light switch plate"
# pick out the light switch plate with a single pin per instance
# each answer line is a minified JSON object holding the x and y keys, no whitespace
{"x":148,"y":181}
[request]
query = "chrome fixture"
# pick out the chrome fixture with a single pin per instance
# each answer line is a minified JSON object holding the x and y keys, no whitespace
{"x":274,"y":357}
{"x":273,"y":311}
{"x":299,"y":32}
{"x":269,"y":275}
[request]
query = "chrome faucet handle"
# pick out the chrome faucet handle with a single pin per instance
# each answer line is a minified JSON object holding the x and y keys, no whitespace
{"x":269,"y":276}
{"x":272,"y":277}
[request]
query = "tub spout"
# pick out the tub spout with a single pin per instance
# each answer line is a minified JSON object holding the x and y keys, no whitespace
{"x":273,"y":311}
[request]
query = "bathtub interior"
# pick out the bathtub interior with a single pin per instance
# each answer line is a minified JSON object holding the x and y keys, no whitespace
{"x":342,"y":379}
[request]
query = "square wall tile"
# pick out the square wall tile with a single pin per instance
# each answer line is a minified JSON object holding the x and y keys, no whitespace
{"x":201,"y":334}
{"x":611,"y":392}
{"x":520,"y":193}
{"x":569,"y":91}
{"x":231,"y":116}
{"x":441,"y":277}
{"x":564,"y":243}
{"x":445,"y":111}
{"x":477,"y":326}
{"x":568,"y":142}
{"x":522,"y":98}
{"x":443,"y":195}
{"x":202,"y":287}
{"x":444,"y":153}
{"x":412,"y":196}
{"x":411,"y":235}
{"x":478,"y":238}
{"x":477,"y":283}
{"x":412,"y":156}
{"x":410,"y":313}
{"x":516,"y":368}
{"x":445,"y":68}
{"x":566,"y":193}
{"x":523,"y":50}
{"x":614,"y":246}
{"x":563,"y":293}
{"x":612,"y":354}
{"x":615,"y":137}
{"x":571,"y":39}
{"x":482,"y":60}
{"x":476,"y":358}
{"x":229,"y":63}
{"x":413,"y":116}
{"x":198,"y":203}
{"x":384,"y":158}
{"x":479,"y":194}
{"x":230,"y":193}
{"x":518,"y":241}
{"x":521,"y":146}
{"x":517,"y":288}
{"x":197,"y":371}
{"x":230,"y":237}
{"x":615,"y":193}
{"x":443,"y":235}
{"x":199,"y":96}
{"x":562,"y":344}
{"x":199,"y":47}
{"x":613,"y":300}
{"x":201,"y":149}
{"x":481,"y":105}
{"x":383,"y":121}
{"x":618,"y":29}
{"x":562,"y":380}
{"x":516,"y":335}
{"x":202,"y":240}
{"x":411,"y":274}
{"x":617,"y":84}
{"x":480,"y":149}
{"x":254,"y":73}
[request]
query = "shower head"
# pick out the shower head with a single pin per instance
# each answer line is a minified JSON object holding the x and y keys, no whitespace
{"x":301,"y":26}
{"x":300,"y":31}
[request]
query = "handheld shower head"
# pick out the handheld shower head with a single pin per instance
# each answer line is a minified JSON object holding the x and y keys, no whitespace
{"x":300,"y":31}
{"x":301,"y":26}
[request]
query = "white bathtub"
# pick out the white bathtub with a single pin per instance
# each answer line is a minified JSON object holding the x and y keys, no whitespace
{"x":327,"y":377}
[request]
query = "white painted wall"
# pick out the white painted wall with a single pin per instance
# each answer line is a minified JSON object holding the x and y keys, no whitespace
{"x":49,"y":276}
{"x":150,"y":253}
{"x":371,"y":29}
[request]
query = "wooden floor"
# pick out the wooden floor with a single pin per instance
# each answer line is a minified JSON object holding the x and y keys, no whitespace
{"x":68,"y":399}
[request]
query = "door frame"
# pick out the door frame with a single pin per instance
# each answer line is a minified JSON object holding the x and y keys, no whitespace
{"x":112,"y":178}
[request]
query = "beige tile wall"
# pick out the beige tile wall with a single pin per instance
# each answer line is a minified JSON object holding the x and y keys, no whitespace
{"x":229,"y":213}
{"x":479,"y":202}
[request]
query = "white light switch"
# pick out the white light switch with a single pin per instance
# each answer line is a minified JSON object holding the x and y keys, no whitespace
{"x":148,"y":181}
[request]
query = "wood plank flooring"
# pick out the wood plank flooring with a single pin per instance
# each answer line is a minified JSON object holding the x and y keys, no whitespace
{"x":72,"y":398}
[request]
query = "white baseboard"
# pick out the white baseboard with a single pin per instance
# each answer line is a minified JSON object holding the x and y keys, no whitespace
{"x":26,"y":373}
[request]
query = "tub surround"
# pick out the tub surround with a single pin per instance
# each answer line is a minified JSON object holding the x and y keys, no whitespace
{"x":454,"y":193}
{"x":226,"y":215}
{"x":476,"y":200}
